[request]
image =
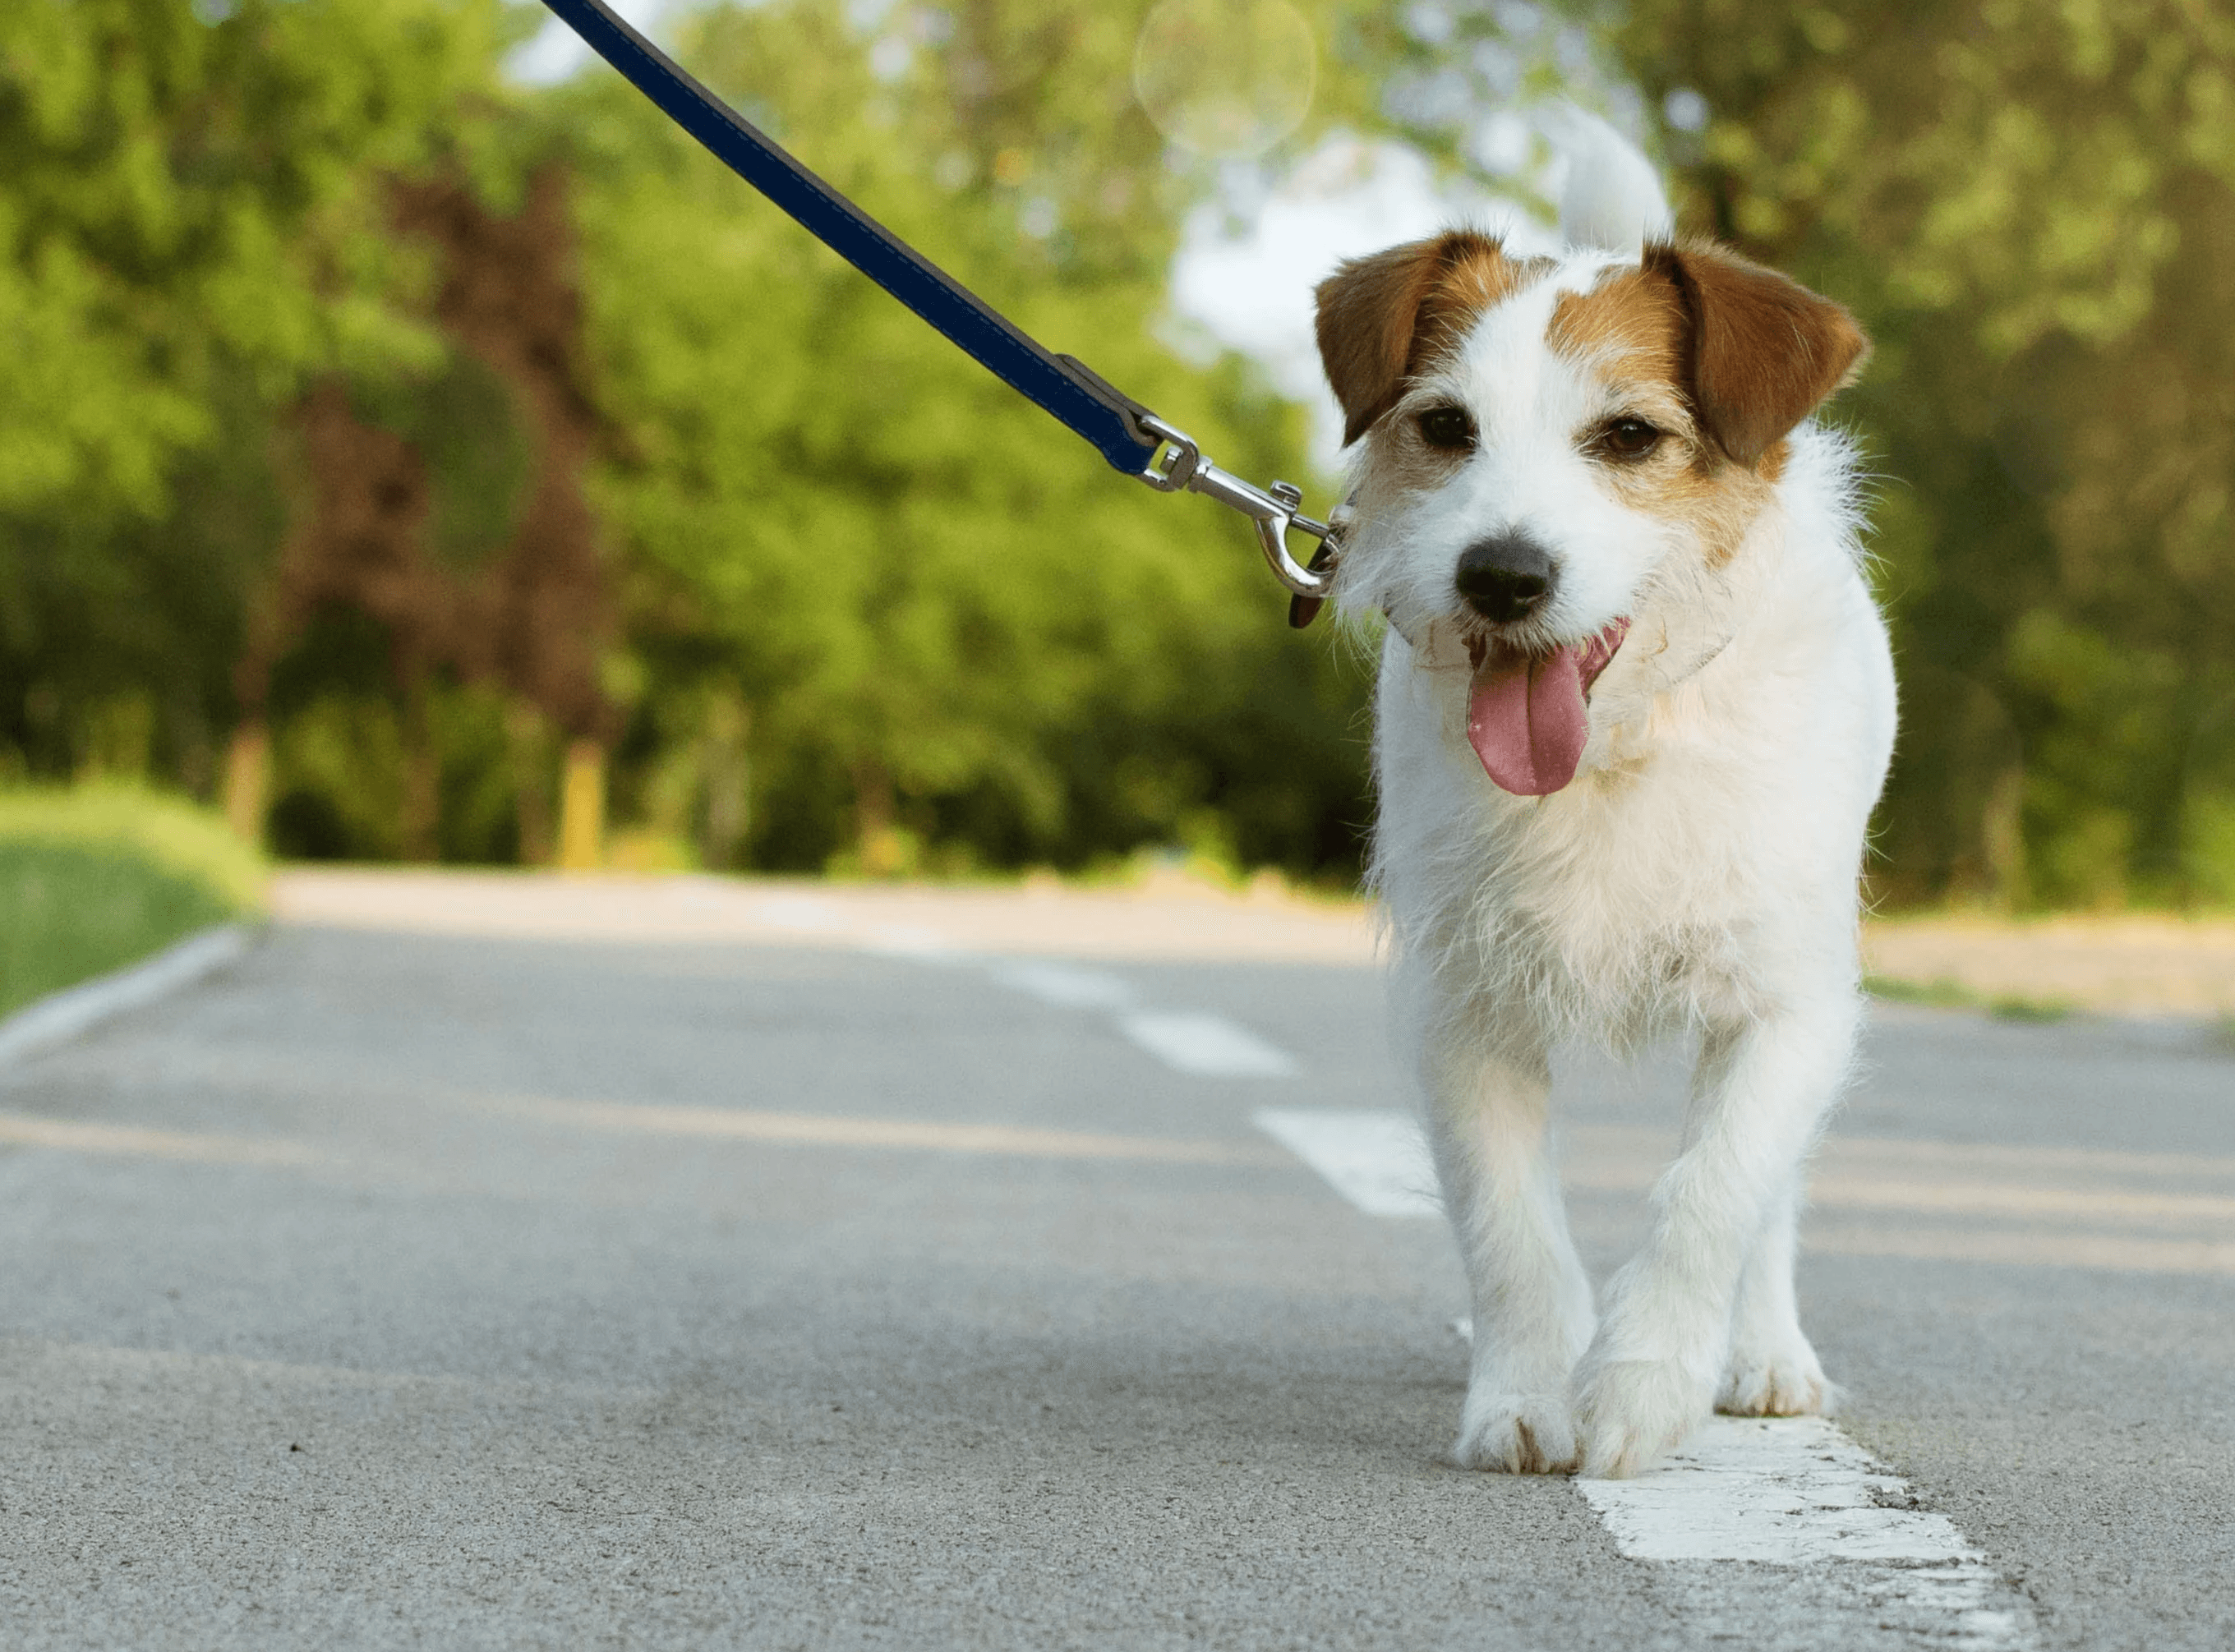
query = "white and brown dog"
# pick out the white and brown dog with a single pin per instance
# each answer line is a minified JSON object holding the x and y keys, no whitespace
{"x":1636,"y":705}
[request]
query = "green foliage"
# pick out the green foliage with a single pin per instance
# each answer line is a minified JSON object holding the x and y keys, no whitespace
{"x":925,"y":589}
{"x":192,"y":223}
{"x":481,"y":457}
{"x":186,"y":194}
{"x":95,"y":877}
{"x":160,"y":828}
{"x":875,"y":611}
{"x":67,"y":912}
{"x":1945,"y":993}
{"x":2033,"y":209}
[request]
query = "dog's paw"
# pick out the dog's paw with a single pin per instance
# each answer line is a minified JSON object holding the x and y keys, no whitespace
{"x":1630,"y":1411}
{"x":1517,"y":1434}
{"x":1785,"y":1381}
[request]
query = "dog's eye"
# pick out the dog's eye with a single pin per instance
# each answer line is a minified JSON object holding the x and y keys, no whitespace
{"x":1625,"y":440}
{"x":1449,"y":429}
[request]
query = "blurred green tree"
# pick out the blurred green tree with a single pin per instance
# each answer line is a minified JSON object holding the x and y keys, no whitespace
{"x":2033,"y":208}
{"x":840,"y":595}
{"x":273,"y":443}
{"x":192,"y":223}
{"x":948,"y":622}
{"x":448,"y":510}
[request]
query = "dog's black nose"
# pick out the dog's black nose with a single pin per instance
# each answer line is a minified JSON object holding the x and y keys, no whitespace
{"x":1506,"y":578}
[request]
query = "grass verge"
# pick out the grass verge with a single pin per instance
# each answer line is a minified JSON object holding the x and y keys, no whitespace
{"x":98,"y":876}
{"x":1947,"y":994}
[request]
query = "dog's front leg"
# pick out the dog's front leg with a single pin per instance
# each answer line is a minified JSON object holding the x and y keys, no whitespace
{"x":1761,"y":1089}
{"x":1772,"y":1371}
{"x":1487,"y":1086}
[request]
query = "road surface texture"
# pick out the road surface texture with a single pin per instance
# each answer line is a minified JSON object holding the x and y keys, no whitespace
{"x":767,"y":1275}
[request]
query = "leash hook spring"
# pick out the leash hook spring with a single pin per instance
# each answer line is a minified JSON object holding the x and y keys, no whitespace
{"x":1177,"y":464}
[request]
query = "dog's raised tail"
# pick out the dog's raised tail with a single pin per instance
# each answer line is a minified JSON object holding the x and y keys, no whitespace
{"x":1611,"y":196}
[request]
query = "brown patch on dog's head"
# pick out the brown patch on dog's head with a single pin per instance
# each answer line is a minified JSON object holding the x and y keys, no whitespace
{"x":1636,"y":331}
{"x":1633,"y":323}
{"x":1722,"y":355}
{"x":1384,"y":318}
{"x":1752,"y":353}
{"x":1765,"y":351}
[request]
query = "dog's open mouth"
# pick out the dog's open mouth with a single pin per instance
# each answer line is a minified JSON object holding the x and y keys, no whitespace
{"x":1526,"y":716}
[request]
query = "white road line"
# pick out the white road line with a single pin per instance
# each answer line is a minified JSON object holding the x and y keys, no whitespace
{"x":1784,"y":1491}
{"x":1192,"y":1042}
{"x":1377,"y":1161}
{"x":1207,"y":1046}
{"x":1065,"y":985}
{"x":1789,"y":1492}
{"x":1795,"y":1491}
{"x":64,"y":1016}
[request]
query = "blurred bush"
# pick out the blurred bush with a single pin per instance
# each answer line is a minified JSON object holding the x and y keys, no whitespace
{"x":93,"y":877}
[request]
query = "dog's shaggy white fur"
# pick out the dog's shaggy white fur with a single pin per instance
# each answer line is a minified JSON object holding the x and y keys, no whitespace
{"x":1629,"y":431}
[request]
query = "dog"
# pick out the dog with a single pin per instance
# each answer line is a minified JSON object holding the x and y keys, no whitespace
{"x":1634,"y":706}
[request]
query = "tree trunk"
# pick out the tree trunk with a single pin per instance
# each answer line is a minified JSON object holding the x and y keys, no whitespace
{"x":529,"y":736}
{"x":729,"y":780}
{"x":877,"y":843}
{"x":582,"y":808}
{"x":2001,"y":830}
{"x":422,"y":775}
{"x":247,"y":776}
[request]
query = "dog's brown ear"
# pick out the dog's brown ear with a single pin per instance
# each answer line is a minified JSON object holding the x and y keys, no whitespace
{"x":1765,"y":350}
{"x":1378,"y":316}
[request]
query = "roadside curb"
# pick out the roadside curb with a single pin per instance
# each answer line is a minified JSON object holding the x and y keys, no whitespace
{"x":61,"y":1016}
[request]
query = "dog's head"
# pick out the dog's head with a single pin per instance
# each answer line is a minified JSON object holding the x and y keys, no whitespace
{"x":1544,"y":438}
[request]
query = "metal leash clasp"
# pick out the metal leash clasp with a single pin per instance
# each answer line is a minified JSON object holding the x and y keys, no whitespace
{"x":1178,"y":466}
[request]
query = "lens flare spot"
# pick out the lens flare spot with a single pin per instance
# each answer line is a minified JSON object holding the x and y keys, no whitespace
{"x":1225,"y":79}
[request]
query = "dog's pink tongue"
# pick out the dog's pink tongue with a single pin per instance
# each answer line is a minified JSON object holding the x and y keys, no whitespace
{"x":1526,"y":721}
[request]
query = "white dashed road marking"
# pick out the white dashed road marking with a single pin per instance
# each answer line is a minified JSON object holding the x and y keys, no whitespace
{"x":1065,"y":985}
{"x":1795,"y":1491}
{"x":1779,"y":1490}
{"x":1376,"y":1160}
{"x":1207,"y":1046}
{"x":1789,"y":1492}
{"x":1192,"y":1042}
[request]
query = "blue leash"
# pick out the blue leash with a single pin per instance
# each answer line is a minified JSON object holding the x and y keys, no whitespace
{"x":1133,"y":438}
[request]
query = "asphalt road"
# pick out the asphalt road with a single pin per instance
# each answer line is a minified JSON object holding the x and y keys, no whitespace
{"x":405,"y":1290}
